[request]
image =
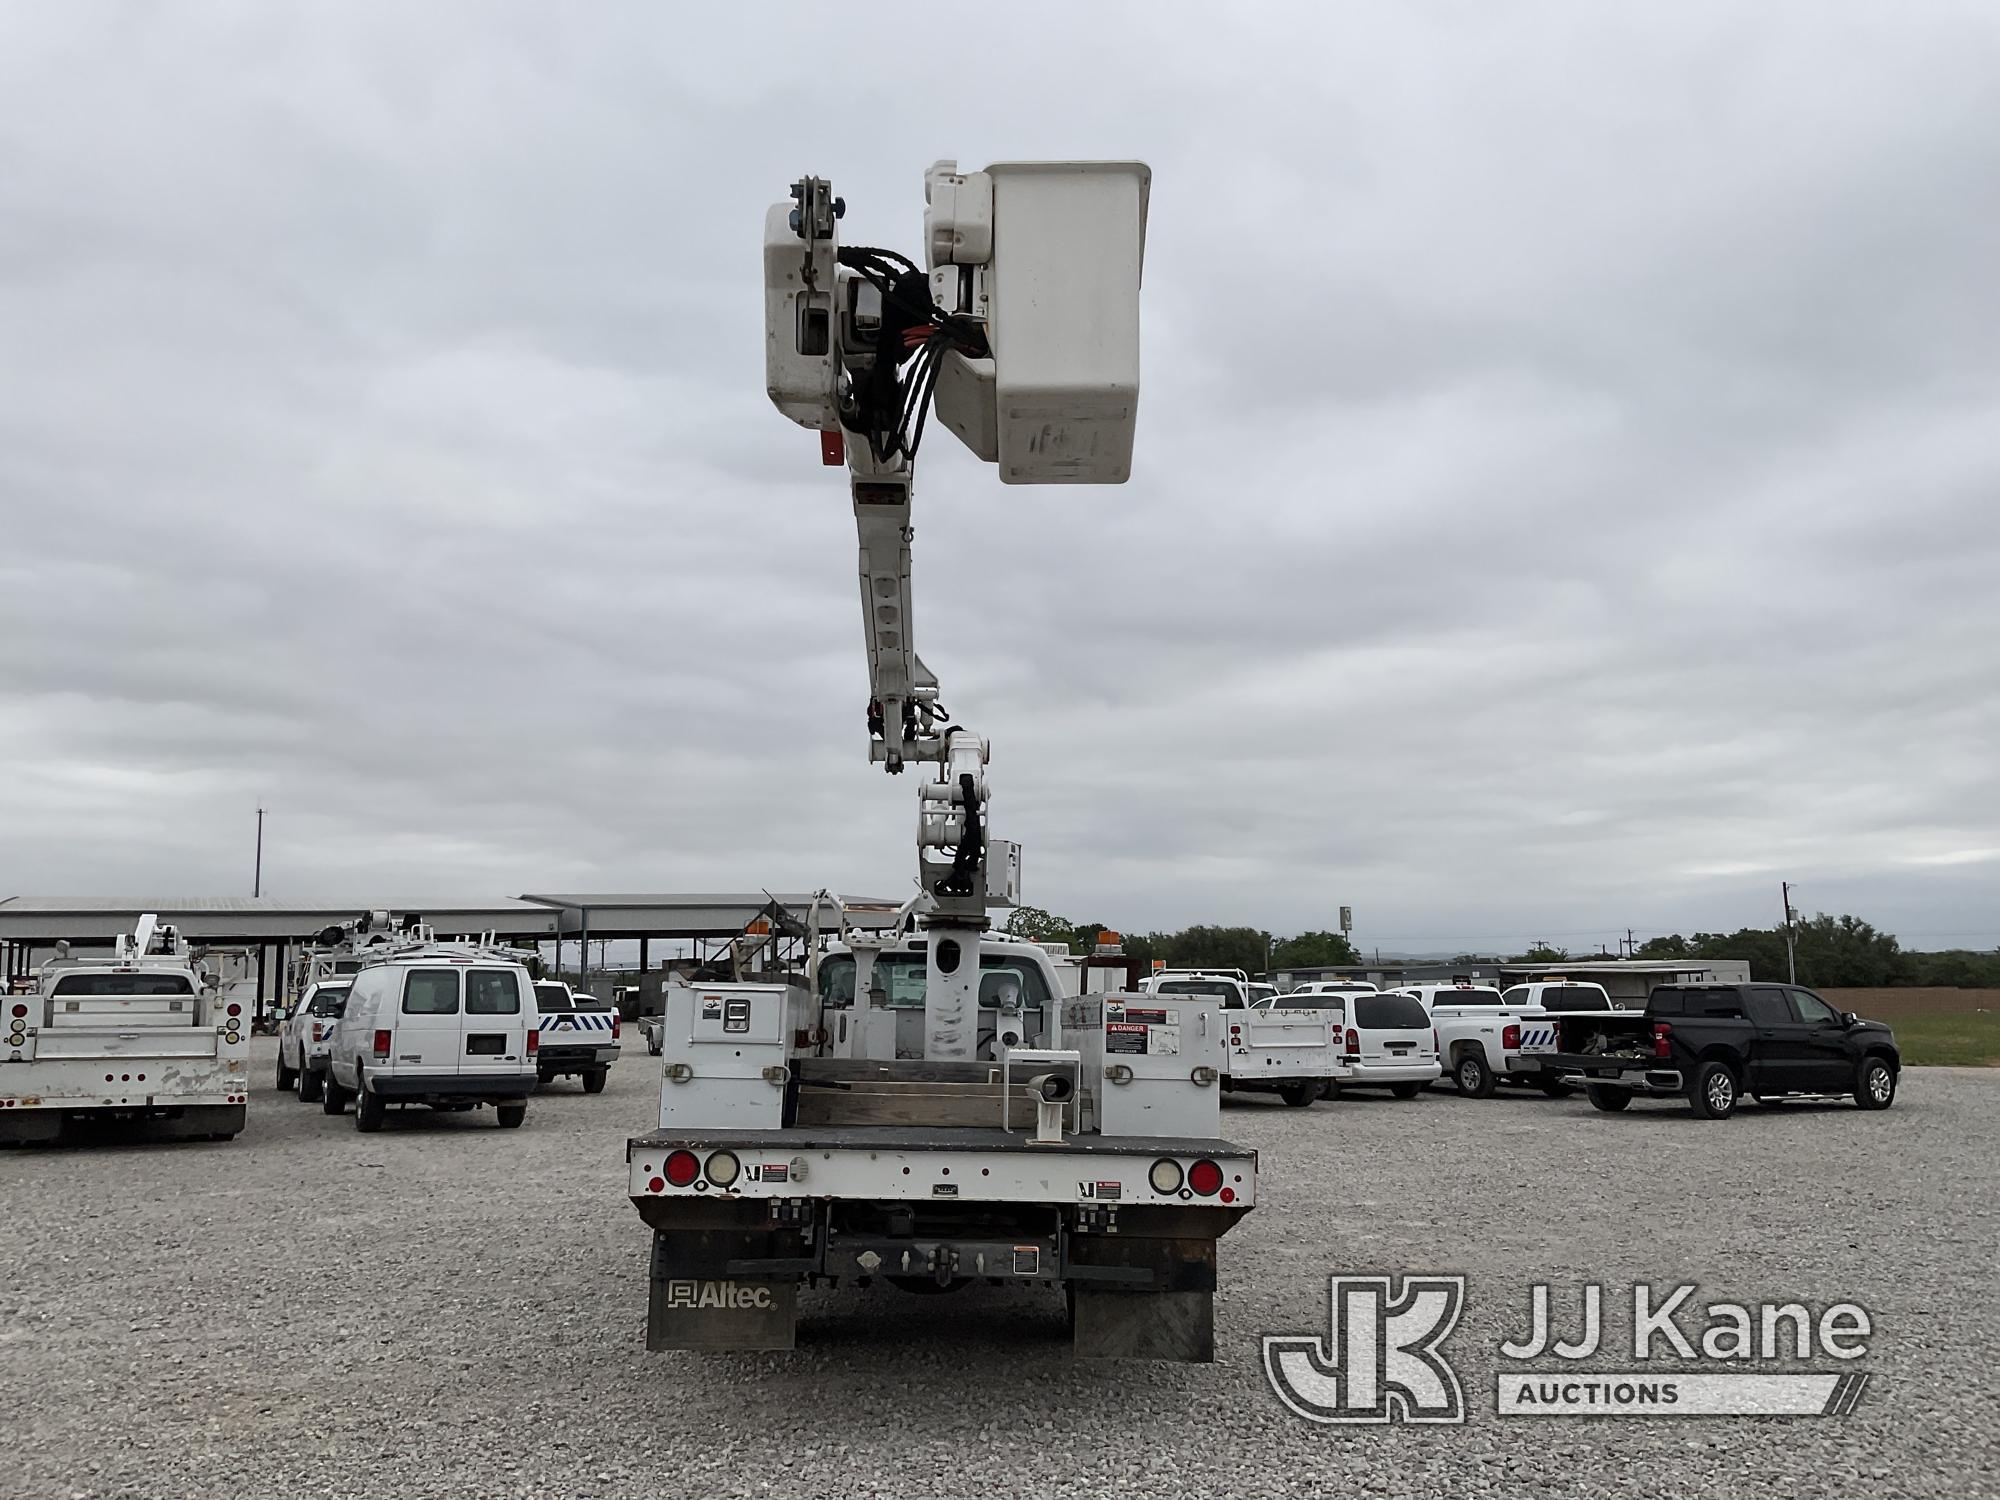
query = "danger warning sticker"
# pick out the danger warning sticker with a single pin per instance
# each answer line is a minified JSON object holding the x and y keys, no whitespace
{"x":1134,"y":1037}
{"x":1123,"y":1036}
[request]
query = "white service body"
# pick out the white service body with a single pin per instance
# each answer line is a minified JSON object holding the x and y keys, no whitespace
{"x":139,"y":1036}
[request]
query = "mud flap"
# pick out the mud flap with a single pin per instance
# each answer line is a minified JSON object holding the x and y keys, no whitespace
{"x":1143,"y":1325}
{"x":31,"y":1125}
{"x":1148,"y":1290}
{"x":690,"y":1306}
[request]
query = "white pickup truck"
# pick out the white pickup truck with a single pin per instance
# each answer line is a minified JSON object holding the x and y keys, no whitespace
{"x":1291,"y":1053}
{"x":140,"y":1036}
{"x":1485,"y":1037}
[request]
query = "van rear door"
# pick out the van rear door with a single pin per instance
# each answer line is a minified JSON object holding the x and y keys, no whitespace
{"x":497,"y":1022}
{"x":1391,"y":1028}
{"x":426,"y":1023}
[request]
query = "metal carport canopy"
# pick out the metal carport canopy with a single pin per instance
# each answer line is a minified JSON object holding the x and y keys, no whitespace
{"x":251,"y":919}
{"x":664,"y":914}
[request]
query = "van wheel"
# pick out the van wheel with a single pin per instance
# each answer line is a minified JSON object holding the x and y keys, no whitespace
{"x":334,"y":1100}
{"x":1608,"y":1100}
{"x":287,"y":1077}
{"x":511,"y":1115}
{"x":1406,"y":1090}
{"x":1300,"y":1095}
{"x":369,"y":1110}
{"x":312,"y":1085}
{"x":593,"y":1081}
{"x":1474,"y":1079}
{"x":1713,"y":1093}
{"x":1875,"y":1083}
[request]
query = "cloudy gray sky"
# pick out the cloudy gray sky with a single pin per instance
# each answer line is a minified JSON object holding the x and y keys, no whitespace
{"x":1564,"y":499}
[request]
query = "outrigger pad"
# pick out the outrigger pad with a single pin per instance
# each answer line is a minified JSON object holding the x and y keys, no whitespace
{"x":1143,"y":1325}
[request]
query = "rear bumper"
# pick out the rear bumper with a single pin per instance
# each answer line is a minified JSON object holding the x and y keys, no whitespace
{"x":962,"y":1166}
{"x":1363,"y":1072}
{"x":1640,"y":1075}
{"x":449,"y":1086}
{"x":562,"y":1059}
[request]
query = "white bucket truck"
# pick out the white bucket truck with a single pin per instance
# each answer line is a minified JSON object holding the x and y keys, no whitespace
{"x":925,"y":1125}
{"x":139,"y":1037}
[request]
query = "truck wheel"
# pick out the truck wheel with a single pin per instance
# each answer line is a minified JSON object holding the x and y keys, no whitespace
{"x":511,"y":1115}
{"x":1474,"y":1079}
{"x":1608,"y":1100}
{"x":1554,"y":1086}
{"x":1713,"y":1092}
{"x":369,"y":1110}
{"x":334,"y":1100}
{"x":287,"y":1077}
{"x":312,"y":1085}
{"x":1300,"y":1095}
{"x":1875,"y":1083}
{"x":593,"y":1081}
{"x":1406,"y":1090}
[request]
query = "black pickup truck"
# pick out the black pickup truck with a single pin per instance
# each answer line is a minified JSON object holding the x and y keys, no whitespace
{"x":1714,"y":1043}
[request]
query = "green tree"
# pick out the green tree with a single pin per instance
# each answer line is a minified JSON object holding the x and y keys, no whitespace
{"x":1314,"y":950}
{"x":1670,"y":945}
{"x":1202,"y":947}
{"x":1542,"y":953}
{"x":1039,"y":926}
{"x":1846,"y":951}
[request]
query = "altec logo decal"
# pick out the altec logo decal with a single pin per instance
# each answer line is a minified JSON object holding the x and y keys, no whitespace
{"x":1381,"y":1360}
{"x":718,"y":1294}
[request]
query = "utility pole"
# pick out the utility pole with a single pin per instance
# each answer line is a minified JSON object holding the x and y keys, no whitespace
{"x":1631,"y":947}
{"x":1791,"y":946}
{"x":257,"y":880}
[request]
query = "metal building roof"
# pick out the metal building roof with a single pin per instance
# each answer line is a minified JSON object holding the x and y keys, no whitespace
{"x":96,"y":919}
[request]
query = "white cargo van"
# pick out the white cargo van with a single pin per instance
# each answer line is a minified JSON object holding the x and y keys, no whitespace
{"x":448,"y":1025}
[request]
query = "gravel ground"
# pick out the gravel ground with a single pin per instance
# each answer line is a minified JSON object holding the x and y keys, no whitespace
{"x":448,"y":1309}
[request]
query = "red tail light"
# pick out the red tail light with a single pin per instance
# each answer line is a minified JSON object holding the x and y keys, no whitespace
{"x":381,"y":1044}
{"x":615,"y":1018}
{"x":1510,"y":1038}
{"x":1663,"y":1039}
{"x":683,"y":1167}
{"x":1353,"y":1042}
{"x":534,"y":1040}
{"x":1205,"y":1177}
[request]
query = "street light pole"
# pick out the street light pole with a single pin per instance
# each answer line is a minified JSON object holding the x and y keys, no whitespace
{"x":257,"y":880}
{"x":1791,"y":945}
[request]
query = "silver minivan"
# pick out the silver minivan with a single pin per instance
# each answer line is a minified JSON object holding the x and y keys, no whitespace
{"x":445,"y":1025}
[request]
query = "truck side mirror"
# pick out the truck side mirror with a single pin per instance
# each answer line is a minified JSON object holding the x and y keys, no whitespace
{"x":1849,"y":1019}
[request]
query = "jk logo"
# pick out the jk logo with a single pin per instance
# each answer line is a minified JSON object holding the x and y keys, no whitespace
{"x":1380,"y":1360}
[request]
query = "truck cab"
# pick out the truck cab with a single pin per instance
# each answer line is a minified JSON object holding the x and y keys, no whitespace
{"x":1020,"y":991}
{"x":450,"y":1026}
{"x":141,"y":1036}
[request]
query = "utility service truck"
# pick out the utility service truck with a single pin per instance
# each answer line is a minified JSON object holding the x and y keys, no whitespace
{"x":140,"y":1036}
{"x":935,"y":1111}
{"x":1290,"y":1053}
